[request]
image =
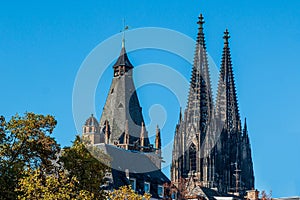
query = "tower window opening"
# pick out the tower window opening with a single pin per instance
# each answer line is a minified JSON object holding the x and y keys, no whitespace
{"x":192,"y":157}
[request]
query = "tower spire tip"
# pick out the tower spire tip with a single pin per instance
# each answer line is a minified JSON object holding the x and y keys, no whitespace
{"x":226,"y":36}
{"x":201,"y":20}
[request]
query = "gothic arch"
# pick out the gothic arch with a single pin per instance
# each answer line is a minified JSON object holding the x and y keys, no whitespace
{"x":192,"y":157}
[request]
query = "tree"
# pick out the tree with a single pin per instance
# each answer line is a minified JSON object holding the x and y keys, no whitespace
{"x":125,"y":192}
{"x":88,"y":164}
{"x":35,"y":185}
{"x":25,"y":143}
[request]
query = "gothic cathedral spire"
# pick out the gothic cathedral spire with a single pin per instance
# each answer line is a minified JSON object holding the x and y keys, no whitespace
{"x":200,"y":103}
{"x":193,"y":128}
{"x":227,"y":110}
{"x":209,"y":144}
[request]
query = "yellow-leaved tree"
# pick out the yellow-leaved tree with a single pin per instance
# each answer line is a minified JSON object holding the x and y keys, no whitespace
{"x":36,"y":185}
{"x":125,"y":192}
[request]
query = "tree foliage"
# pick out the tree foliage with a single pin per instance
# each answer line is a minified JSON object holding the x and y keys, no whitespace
{"x":30,"y":168}
{"x":125,"y":192}
{"x":88,"y":164}
{"x":25,"y":142}
{"x":35,"y":185}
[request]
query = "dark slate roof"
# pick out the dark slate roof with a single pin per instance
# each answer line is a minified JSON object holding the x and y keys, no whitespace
{"x":122,"y":104}
{"x":139,"y":165}
{"x":210,"y":193}
{"x":91,"y":121}
{"x":123,"y":60}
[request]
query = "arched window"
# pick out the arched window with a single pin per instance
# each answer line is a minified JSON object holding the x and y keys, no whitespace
{"x":192,"y":157}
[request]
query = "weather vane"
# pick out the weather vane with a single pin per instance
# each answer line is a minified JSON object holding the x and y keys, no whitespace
{"x":125,"y":28}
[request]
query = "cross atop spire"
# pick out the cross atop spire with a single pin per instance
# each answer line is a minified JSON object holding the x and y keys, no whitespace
{"x":200,"y":105}
{"x":201,"y":20}
{"x":123,"y":64}
{"x":226,"y":37}
{"x":227,"y":103}
{"x":125,"y":28}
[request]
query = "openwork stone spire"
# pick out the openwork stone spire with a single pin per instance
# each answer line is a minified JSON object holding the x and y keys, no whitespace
{"x":209,"y":145}
{"x":227,"y":103}
{"x":200,"y":103}
{"x":192,"y":129}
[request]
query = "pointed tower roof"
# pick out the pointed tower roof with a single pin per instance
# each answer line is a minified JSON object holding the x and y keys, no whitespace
{"x":122,"y":104}
{"x":91,"y":121}
{"x":245,"y":126}
{"x":227,"y":103}
{"x":245,"y":132}
{"x":123,"y":59}
{"x":200,"y":103}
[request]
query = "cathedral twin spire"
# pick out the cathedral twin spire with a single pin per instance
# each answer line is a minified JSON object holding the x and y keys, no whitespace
{"x":208,"y":139}
{"x":227,"y":105}
{"x":200,"y":84}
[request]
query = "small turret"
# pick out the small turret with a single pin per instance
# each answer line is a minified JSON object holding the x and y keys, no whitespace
{"x":91,"y":130}
{"x":142,"y":137}
{"x":157,"y":140}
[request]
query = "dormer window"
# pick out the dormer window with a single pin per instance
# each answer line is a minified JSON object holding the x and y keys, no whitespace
{"x":160,"y":191}
{"x":133,"y":183}
{"x":147,"y":187}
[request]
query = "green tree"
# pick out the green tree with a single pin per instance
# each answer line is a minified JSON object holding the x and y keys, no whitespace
{"x":125,"y":192}
{"x":88,"y":164}
{"x":35,"y":186}
{"x":25,"y":143}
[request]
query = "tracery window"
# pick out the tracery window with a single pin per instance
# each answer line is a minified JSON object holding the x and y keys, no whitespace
{"x":192,"y":157}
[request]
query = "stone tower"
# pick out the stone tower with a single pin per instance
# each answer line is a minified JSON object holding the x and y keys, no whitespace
{"x":122,"y":123}
{"x":122,"y":108}
{"x":209,"y":143}
{"x":122,"y":135}
{"x":91,"y":130}
{"x":191,"y":131}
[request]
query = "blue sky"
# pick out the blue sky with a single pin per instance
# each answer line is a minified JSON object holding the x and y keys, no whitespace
{"x":44,"y":44}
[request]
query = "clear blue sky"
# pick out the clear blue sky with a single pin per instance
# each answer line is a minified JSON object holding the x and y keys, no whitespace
{"x":42,"y":46}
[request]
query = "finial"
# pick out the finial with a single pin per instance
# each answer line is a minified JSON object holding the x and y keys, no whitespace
{"x":143,"y":129}
{"x":201,"y":20}
{"x":126,"y":136}
{"x":125,"y":28}
{"x":92,"y":115}
{"x":226,"y":36}
{"x":180,"y":115}
{"x":142,"y":139}
{"x":157,"y":138}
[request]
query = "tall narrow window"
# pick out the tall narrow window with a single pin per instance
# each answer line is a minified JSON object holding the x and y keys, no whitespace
{"x":192,"y":157}
{"x":147,"y":187}
{"x":133,"y":183}
{"x":160,"y":191}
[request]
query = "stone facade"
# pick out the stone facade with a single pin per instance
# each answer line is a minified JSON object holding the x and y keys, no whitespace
{"x":121,"y":133}
{"x":210,"y":145}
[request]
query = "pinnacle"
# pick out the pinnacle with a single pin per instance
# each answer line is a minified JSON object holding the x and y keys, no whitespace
{"x":226,"y":36}
{"x":201,"y":20}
